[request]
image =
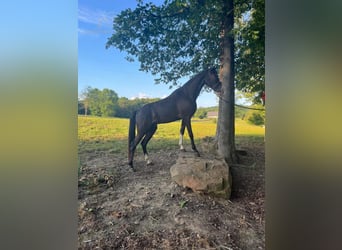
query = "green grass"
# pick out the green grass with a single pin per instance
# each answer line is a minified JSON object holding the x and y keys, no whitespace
{"x":110,"y":134}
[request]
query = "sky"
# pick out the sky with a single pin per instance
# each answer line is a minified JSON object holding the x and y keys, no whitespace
{"x":101,"y":68}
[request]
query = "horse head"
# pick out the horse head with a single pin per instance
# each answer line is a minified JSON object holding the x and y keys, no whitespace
{"x":212,"y":80}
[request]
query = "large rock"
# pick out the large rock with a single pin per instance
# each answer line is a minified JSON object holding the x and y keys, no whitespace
{"x":202,"y":174}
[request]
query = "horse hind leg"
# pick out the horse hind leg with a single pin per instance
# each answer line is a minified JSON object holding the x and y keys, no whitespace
{"x":181,"y":136}
{"x":132,"y":149}
{"x":146,"y":139}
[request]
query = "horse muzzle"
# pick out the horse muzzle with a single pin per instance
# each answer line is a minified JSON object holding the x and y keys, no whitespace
{"x":219,"y":92}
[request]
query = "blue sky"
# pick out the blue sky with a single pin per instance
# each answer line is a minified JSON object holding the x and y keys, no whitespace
{"x":99,"y":67}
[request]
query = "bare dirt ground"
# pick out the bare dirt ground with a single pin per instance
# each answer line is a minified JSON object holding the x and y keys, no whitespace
{"x":121,"y":209}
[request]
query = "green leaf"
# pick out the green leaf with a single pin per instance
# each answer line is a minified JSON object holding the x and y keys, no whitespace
{"x":183,"y":203}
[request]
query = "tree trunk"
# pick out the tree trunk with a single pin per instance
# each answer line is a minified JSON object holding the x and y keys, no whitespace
{"x":226,"y":120}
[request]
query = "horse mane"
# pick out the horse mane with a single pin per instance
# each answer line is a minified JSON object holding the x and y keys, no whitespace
{"x":198,"y":75}
{"x":199,"y":84}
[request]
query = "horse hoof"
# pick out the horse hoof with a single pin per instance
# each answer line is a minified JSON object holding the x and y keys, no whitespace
{"x":183,"y":150}
{"x":149,"y":163}
{"x":132,"y":168}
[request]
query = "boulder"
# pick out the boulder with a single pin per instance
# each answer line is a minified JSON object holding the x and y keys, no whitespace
{"x":202,"y":174}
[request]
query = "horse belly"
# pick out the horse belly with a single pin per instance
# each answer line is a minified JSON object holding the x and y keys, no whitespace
{"x":167,"y":116}
{"x":168,"y":119}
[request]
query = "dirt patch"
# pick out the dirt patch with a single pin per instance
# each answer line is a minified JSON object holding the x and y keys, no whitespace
{"x":121,"y":209}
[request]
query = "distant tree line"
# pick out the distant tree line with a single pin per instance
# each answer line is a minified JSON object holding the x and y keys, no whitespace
{"x":203,"y":112}
{"x":252,"y":116}
{"x":106,"y":103}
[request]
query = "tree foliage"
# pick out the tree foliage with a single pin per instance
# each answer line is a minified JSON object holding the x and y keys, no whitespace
{"x":101,"y":103}
{"x":250,"y":49}
{"x":201,"y":113}
{"x":256,"y":117}
{"x":176,"y":39}
{"x":126,"y":107}
{"x":182,"y":37}
{"x":81,"y":108}
{"x":108,"y":100}
{"x":107,"y":103}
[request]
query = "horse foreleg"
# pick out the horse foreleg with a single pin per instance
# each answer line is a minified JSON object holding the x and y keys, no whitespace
{"x":188,"y":126}
{"x":181,"y":136}
{"x":181,"y":142}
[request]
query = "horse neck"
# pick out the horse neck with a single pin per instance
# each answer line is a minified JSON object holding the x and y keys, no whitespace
{"x":193,"y":86}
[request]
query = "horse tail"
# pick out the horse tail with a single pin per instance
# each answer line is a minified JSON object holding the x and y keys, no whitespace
{"x":131,"y":131}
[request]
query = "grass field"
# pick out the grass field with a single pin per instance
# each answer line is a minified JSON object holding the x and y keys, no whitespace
{"x":98,"y":133}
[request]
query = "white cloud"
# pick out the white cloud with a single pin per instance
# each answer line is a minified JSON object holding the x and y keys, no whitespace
{"x":94,"y":22}
{"x":82,"y":31}
{"x":95,"y":17}
{"x":141,"y":96}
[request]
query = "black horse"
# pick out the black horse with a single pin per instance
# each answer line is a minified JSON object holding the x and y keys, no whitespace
{"x":181,"y":104}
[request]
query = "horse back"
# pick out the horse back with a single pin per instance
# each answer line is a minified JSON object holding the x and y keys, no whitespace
{"x":172,"y":108}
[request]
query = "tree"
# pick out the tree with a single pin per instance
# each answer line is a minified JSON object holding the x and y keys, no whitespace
{"x":183,"y":37}
{"x":256,"y":118}
{"x":101,"y":103}
{"x":124,"y":107}
{"x":85,"y":100}
{"x":226,"y":121}
{"x":250,"y":50}
{"x":81,"y":109}
{"x":93,"y":97}
{"x":201,"y":113}
{"x":108,"y":102}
